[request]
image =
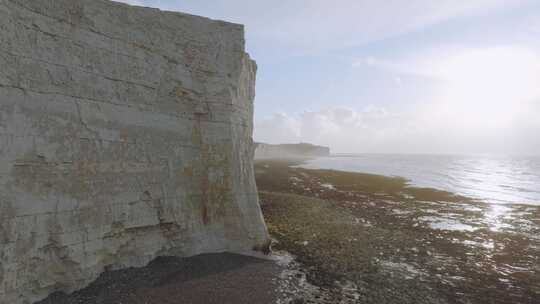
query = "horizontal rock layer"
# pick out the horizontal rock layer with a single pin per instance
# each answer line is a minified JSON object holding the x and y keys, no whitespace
{"x":125,"y":133}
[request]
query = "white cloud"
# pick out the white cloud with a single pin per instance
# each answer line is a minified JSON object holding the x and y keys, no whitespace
{"x":486,"y":100}
{"x":476,"y":87}
{"x":344,"y":129}
{"x":375,"y":130}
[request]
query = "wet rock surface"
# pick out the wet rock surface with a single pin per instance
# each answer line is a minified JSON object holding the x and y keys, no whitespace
{"x":391,"y":243}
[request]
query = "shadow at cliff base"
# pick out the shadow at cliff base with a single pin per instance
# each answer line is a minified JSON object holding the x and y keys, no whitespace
{"x":205,"y":278}
{"x":199,"y":266}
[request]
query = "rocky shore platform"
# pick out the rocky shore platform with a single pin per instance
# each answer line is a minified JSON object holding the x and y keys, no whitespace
{"x":374,"y":239}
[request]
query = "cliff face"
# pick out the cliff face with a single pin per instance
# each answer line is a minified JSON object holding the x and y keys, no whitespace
{"x":125,"y":133}
{"x":263,"y":151}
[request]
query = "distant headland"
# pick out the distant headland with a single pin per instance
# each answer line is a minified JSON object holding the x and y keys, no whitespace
{"x":263,"y":150}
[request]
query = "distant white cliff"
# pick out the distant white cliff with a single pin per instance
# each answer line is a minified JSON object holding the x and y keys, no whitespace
{"x":263,"y":150}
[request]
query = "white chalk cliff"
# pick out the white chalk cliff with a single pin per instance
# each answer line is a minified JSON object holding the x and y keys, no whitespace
{"x":125,"y":133}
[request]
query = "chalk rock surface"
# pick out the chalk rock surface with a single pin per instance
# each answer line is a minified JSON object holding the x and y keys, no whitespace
{"x":125,"y":134}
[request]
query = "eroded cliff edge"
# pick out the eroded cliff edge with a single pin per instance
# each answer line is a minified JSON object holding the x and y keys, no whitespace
{"x":125,"y":133}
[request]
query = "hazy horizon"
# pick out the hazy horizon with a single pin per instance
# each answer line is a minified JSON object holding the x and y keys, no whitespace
{"x":445,"y":77}
{"x":470,"y":154}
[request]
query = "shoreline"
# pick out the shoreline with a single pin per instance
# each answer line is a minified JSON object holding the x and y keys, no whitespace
{"x":443,"y":247}
{"x":473,"y":189}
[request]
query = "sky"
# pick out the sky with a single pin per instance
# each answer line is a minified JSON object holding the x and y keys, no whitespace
{"x":393,"y":76}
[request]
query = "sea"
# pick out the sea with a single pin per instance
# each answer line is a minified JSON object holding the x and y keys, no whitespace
{"x":492,"y":179}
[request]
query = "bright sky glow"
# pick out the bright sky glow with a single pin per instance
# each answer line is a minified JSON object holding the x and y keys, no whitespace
{"x":415,"y":76}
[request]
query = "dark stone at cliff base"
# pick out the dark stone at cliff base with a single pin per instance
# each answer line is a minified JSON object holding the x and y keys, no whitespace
{"x":208,"y":278}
